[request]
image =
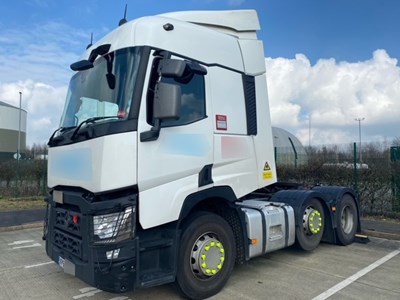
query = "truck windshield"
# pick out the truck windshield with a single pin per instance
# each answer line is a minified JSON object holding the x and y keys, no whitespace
{"x":103,"y":91}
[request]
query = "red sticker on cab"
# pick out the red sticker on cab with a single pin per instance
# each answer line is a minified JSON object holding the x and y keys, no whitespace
{"x":222,"y":122}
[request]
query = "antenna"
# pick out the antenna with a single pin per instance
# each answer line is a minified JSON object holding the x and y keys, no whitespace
{"x":91,"y":41}
{"x":123,"y":20}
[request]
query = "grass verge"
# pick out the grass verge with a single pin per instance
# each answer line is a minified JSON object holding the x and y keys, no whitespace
{"x":10,"y":204}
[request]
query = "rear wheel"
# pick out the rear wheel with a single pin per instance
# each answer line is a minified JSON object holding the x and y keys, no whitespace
{"x":206,"y":256}
{"x":346,"y":222}
{"x":309,"y":232}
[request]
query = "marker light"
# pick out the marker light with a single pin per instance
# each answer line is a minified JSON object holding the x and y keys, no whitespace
{"x":75,"y":219}
{"x":254,"y":241}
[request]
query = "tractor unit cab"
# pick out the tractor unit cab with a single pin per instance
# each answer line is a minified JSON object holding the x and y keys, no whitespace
{"x":163,"y":166}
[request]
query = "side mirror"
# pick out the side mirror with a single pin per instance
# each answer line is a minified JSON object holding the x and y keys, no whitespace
{"x":171,"y":68}
{"x":167,"y":104}
{"x":81,"y":65}
{"x":176,"y":68}
{"x":167,"y":101}
{"x":196,"y":68}
{"x":86,"y":64}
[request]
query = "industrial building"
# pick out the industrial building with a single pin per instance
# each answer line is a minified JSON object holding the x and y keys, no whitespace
{"x":9,"y":130}
{"x":288,"y":149}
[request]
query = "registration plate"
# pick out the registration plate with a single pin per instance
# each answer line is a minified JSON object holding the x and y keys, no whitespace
{"x":61,"y":262}
{"x":68,"y":266}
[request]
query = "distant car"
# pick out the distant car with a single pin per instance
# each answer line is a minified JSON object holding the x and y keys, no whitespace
{"x":346,"y":165}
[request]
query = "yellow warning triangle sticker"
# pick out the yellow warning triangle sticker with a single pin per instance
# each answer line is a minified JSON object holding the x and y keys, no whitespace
{"x":266,"y":167}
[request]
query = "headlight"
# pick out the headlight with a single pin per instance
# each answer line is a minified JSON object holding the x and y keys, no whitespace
{"x":114,"y":227}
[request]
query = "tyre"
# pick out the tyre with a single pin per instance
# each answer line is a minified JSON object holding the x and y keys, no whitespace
{"x":206,"y":256}
{"x":347,"y":220}
{"x":309,"y":232}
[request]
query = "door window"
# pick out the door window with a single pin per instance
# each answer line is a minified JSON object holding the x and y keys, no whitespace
{"x":193,"y":102}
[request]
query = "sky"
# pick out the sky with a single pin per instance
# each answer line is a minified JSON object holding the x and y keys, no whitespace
{"x":328,"y":62}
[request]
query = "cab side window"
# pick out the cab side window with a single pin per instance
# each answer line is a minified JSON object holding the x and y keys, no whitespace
{"x":193,"y":103}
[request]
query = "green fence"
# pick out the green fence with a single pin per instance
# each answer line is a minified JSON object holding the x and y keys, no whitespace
{"x":375,"y":175}
{"x":395,"y":166}
{"x":23,"y":178}
{"x":374,"y":172}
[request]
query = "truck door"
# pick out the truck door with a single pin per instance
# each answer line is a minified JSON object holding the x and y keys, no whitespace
{"x":170,"y":164}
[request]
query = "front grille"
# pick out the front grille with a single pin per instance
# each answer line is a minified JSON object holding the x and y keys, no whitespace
{"x":64,"y":220}
{"x":68,"y":243}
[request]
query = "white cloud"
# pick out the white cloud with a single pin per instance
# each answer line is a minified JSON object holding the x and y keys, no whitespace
{"x":334,"y":94}
{"x":36,"y":61}
{"x":43,"y":102}
{"x":41,"y":53}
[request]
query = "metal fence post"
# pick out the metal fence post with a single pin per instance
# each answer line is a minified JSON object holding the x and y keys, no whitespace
{"x":395,"y":159}
{"x":355,"y":171}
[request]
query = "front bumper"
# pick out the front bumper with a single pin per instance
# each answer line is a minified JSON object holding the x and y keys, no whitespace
{"x":71,"y":243}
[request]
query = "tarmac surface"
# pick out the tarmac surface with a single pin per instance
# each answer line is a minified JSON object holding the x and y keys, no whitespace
{"x":21,"y":217}
{"x":356,"y":272}
{"x":381,"y":228}
{"x":15,"y":220}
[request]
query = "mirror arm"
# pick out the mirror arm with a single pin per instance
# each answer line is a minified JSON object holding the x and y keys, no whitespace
{"x":152,"y":134}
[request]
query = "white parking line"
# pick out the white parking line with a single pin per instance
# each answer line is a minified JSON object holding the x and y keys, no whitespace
{"x":27,"y":246}
{"x":39,"y":265}
{"x":20,"y":242}
{"x":87,"y":292}
{"x":25,"y":267}
{"x":351,"y":279}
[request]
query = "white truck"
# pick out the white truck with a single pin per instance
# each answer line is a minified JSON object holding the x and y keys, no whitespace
{"x":163,"y":167}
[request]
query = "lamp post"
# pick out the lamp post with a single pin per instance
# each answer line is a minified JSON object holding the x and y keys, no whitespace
{"x":309,"y":131}
{"x":359,"y":135}
{"x":19,"y":143}
{"x":19,"y":127}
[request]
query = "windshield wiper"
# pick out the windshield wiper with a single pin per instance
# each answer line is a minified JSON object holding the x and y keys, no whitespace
{"x":90,"y":120}
{"x":60,"y":130}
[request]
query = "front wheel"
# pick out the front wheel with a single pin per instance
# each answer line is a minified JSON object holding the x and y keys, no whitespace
{"x":347,"y":220}
{"x":206,"y":256}
{"x":309,"y":232}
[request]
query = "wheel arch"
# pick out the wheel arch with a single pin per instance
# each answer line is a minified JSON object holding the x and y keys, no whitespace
{"x":221,"y":201}
{"x":296,"y":199}
{"x":334,"y":195}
